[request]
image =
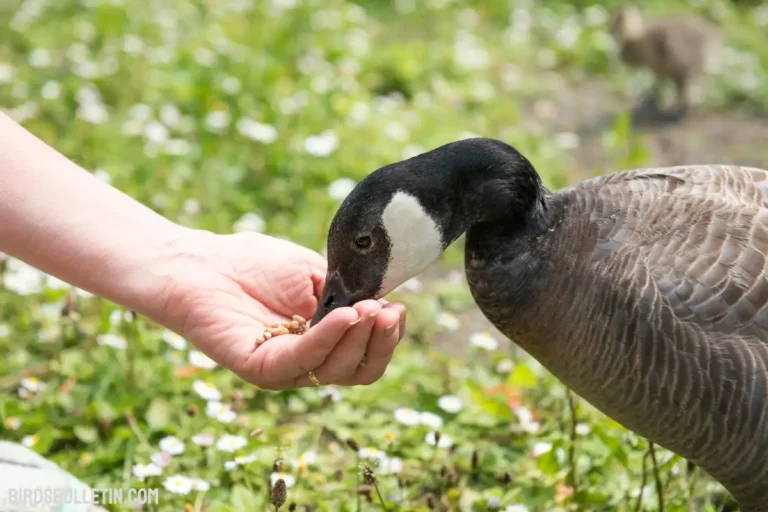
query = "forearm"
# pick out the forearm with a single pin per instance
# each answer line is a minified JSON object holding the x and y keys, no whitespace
{"x":66,"y":222}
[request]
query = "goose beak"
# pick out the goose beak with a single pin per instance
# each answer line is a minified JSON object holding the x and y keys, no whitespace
{"x":335,"y":295}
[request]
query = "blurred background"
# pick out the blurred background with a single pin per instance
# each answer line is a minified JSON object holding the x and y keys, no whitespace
{"x":261,"y":115}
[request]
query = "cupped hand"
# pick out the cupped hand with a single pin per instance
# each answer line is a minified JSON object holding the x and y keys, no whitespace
{"x":227,"y":288}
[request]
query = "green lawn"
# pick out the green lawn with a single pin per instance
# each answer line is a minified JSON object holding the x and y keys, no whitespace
{"x":254,"y":114}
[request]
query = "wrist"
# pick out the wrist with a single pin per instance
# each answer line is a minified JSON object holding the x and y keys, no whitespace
{"x":175,"y":265}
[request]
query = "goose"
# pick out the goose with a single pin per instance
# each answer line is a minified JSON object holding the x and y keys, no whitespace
{"x":680,"y":48}
{"x":644,"y":291}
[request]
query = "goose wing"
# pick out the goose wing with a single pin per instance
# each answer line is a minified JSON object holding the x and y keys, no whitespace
{"x":702,"y":234}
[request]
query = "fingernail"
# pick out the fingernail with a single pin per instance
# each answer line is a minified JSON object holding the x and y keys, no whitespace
{"x":373,"y":315}
{"x":391,"y":328}
{"x":355,"y":322}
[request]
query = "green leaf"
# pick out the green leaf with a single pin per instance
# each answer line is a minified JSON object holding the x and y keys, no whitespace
{"x":493,"y":406}
{"x":243,"y":500}
{"x":86,"y":433}
{"x":158,"y":414}
{"x":522,"y":377}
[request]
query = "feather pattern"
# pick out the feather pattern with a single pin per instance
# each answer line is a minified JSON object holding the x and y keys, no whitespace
{"x":666,"y":324}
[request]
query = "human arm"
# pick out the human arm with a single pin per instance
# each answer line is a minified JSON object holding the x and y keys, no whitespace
{"x":218,"y":291}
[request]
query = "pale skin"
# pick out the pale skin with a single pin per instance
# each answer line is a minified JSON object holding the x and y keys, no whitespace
{"x":219,"y":292}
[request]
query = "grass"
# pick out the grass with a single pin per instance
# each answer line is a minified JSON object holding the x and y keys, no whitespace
{"x":153,"y":98}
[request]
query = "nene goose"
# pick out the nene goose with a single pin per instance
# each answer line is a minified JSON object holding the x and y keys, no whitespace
{"x":680,"y":49}
{"x":644,"y":291}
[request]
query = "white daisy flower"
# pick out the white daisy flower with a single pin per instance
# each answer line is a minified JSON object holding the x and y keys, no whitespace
{"x":483,"y":340}
{"x":200,"y":360}
{"x":341,"y":188}
{"x":156,"y":132}
{"x":407,"y":416}
{"x":115,"y":317}
{"x":132,"y":44}
{"x":567,"y":140}
{"x":205,"y":57}
{"x":32,"y":384}
{"x":527,"y":422}
{"x":203,"y":439}
{"x":172,"y":445}
{"x":371,"y":453}
{"x":140,"y":112}
{"x":30,"y":441}
{"x":230,"y":443}
{"x":178,"y":484}
{"x":447,"y":321}
{"x":256,"y":131}
{"x":242,"y":460}
{"x":250,"y":222}
{"x":445,"y":440}
{"x":206,"y":390}
{"x":305,"y":459}
{"x":112,"y":340}
{"x":40,"y":58}
{"x":331,"y":391}
{"x":583,"y":429}
{"x":6,"y":73}
{"x":396,"y":131}
{"x":142,"y":471}
{"x":289,"y":480}
{"x":22,"y":279}
{"x":217,"y":120}
{"x":516,"y":508}
{"x":541,"y":448}
{"x":321,"y":145}
{"x":596,"y":15}
{"x":494,"y":503}
{"x":227,"y":416}
{"x":170,"y":114}
{"x":191,"y":207}
{"x":450,"y":403}
{"x":5,"y":331}
{"x":390,"y":466}
{"x":230,"y":465}
{"x":230,"y":85}
{"x":222,"y":412}
{"x":51,"y":90}
{"x":12,"y":423}
{"x":174,"y":340}
{"x":505,"y":366}
{"x":161,"y":459}
{"x":198,"y":484}
{"x":431,"y":420}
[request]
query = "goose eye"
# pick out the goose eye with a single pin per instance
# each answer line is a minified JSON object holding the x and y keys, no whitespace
{"x":363,"y":242}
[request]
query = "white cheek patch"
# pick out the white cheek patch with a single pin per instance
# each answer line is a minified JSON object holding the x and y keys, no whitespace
{"x":414,"y":239}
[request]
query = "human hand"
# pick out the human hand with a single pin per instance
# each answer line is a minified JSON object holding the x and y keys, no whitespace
{"x":226,"y":288}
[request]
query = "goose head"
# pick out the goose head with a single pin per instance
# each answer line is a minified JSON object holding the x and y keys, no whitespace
{"x":400,"y":218}
{"x":626,"y":24}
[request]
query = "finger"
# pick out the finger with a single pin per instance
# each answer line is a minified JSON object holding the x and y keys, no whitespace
{"x":282,"y":359}
{"x":383,"y":342}
{"x":403,"y":312}
{"x":344,"y":359}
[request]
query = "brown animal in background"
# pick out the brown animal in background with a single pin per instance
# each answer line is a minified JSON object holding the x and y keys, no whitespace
{"x":681,"y":48}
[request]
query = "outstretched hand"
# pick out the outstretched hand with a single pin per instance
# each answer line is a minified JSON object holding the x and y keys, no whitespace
{"x":228,"y":288}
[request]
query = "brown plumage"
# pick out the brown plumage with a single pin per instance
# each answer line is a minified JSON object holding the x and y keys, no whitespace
{"x":648,"y":296}
{"x":680,"y":49}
